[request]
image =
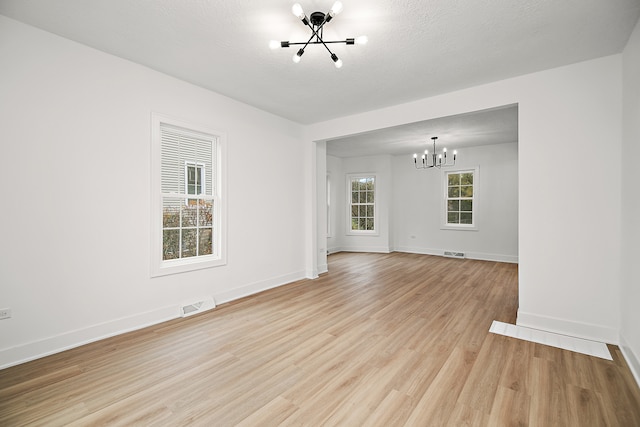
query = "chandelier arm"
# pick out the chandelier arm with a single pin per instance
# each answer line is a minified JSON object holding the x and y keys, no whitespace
{"x":327,"y":47}
{"x":305,"y":44}
{"x":313,"y":30}
{"x":310,"y":42}
{"x":315,"y":42}
{"x":425,"y":166}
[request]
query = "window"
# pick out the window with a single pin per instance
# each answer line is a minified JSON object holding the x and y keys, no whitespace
{"x":194,"y":178}
{"x":460,"y":199}
{"x":361,"y":192}
{"x":187,"y":213}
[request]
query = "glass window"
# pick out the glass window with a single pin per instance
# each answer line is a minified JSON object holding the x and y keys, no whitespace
{"x":187,"y":164}
{"x":460,"y":199}
{"x":362,"y":190}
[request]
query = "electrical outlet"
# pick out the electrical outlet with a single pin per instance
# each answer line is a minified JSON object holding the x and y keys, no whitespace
{"x":5,"y":313}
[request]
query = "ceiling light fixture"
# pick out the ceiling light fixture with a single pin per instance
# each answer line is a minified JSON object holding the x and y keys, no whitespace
{"x":316,"y":23}
{"x":436,"y":159}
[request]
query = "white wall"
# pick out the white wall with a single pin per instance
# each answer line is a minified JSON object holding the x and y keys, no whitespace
{"x":321,"y":192}
{"x":380,"y":166}
{"x":569,"y":203}
{"x":75,"y":180}
{"x":337,"y":221}
{"x":417,"y":206}
{"x":630,"y":328}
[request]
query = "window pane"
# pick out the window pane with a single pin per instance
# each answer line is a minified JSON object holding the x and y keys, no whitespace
{"x":354,"y":197}
{"x":189,"y":214}
{"x":354,"y":185}
{"x":466,"y":179}
{"x":453,"y":205}
{"x":454,"y":191}
{"x":362,"y":224}
{"x":466,"y":218}
{"x":369,"y":223}
{"x":191,"y":189}
{"x":370,"y":196}
{"x":189,"y":243}
{"x":454,"y":179}
{"x":362,"y":211}
{"x":170,"y":244}
{"x":354,"y":223}
{"x":453,"y":218}
{"x":205,"y":216}
{"x":369,"y":185}
{"x":191,"y":175}
{"x":354,"y":211}
{"x":466,"y":191}
{"x":466,"y":205}
{"x":205,"y":241}
{"x":370,"y":211}
{"x":171,"y":212}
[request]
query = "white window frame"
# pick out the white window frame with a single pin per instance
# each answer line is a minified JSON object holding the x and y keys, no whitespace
{"x":476,"y":199}
{"x":160,"y":267}
{"x":375,"y":231}
{"x":203,"y":184}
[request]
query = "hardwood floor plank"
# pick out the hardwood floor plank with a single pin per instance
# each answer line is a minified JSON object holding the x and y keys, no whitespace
{"x":510,"y":408}
{"x":438,"y":401}
{"x":381,"y":340}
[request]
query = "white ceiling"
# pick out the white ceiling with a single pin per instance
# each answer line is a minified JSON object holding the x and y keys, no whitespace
{"x":416,"y":49}
{"x":495,"y":126}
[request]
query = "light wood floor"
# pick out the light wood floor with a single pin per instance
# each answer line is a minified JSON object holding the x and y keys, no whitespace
{"x":383,"y":339}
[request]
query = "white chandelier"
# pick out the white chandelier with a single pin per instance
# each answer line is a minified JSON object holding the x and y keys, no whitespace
{"x":436,"y":159}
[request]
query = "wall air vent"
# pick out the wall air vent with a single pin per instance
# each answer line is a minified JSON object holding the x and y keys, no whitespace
{"x":453,"y":254}
{"x":197,"y":307}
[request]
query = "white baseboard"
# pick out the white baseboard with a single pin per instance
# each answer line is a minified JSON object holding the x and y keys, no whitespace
{"x":481,"y":256}
{"x":68,"y":340}
{"x":254,"y":288}
{"x":420,"y":251}
{"x":372,"y":249}
{"x":324,"y":268}
{"x":633,"y":360}
{"x":568,"y":327}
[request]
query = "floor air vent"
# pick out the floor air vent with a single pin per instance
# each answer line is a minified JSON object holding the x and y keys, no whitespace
{"x":197,"y":307}
{"x":453,"y":254}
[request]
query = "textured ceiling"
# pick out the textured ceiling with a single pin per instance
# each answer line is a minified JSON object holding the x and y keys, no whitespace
{"x":494,"y":126}
{"x":417,"y":48}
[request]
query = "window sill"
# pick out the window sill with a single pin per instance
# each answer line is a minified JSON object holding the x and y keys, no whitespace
{"x":363,"y":233}
{"x":459,"y":227}
{"x":185,"y":265}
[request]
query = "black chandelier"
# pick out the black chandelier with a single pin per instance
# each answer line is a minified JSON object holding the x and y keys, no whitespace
{"x":436,"y":159}
{"x":316,"y":23}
